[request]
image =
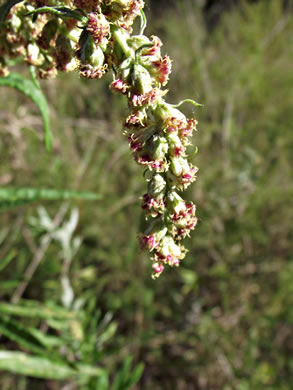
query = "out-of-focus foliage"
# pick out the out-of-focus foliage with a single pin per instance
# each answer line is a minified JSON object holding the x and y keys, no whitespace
{"x":74,"y":287}
{"x":32,"y":90}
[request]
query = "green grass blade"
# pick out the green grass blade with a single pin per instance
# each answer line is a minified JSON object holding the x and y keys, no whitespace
{"x":11,"y":197}
{"x":38,"y":367}
{"x":136,"y":375}
{"x":18,"y":333}
{"x":41,"y":367}
{"x":32,"y":309}
{"x":29,"y":88}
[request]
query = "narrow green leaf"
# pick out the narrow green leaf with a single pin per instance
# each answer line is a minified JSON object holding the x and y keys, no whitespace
{"x":40,"y":367}
{"x":135,"y":377}
{"x":32,"y":309}
{"x":143,"y":22}
{"x":18,"y":333}
{"x":102,"y":383}
{"x":11,"y":197}
{"x":193,"y":102}
{"x":85,"y":370}
{"x":60,"y":12}
{"x":46,"y":340}
{"x":28,"y":88}
{"x":127,"y":377}
{"x":122,"y":376}
{"x":5,"y":9}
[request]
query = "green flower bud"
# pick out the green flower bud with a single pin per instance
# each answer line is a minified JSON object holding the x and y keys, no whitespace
{"x":157,"y":229}
{"x":179,"y":166}
{"x":175,"y":203}
{"x":165,"y":111}
{"x":168,"y":247}
{"x":159,"y":147}
{"x":138,"y":41}
{"x":125,"y":70}
{"x":34,"y":57}
{"x":157,"y":185}
{"x":15,"y":22}
{"x":89,"y":53}
{"x":175,"y":144}
{"x":141,"y":80}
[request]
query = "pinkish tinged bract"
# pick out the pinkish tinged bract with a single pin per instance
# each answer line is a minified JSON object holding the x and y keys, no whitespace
{"x":93,"y":37}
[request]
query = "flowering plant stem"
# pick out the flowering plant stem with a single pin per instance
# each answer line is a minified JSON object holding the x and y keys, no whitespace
{"x":93,"y":37}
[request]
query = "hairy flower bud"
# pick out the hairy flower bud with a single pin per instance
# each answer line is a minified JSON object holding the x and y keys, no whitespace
{"x":158,"y":147}
{"x":182,"y":215}
{"x":175,"y":203}
{"x":175,"y":145}
{"x":139,"y":42}
{"x":89,"y":53}
{"x":184,"y":172}
{"x":99,"y":28}
{"x":159,"y":68}
{"x":141,"y":80}
{"x":155,"y":233}
{"x":157,"y":185}
{"x":170,"y":251}
{"x":164,"y":112}
{"x":34,"y":56}
{"x":153,"y":154}
{"x":179,"y":166}
{"x":15,"y":22}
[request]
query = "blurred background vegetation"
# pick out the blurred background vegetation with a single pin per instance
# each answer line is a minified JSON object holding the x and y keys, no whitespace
{"x":77,"y":300}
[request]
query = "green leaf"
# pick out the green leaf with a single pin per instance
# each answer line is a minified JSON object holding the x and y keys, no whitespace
{"x":60,"y":12}
{"x":5,"y":9}
{"x":125,"y":379}
{"x":29,"y":88}
{"x":19,"y":334}
{"x":46,"y":340}
{"x":135,"y":377}
{"x":40,"y":367}
{"x":193,"y":102}
{"x":11,"y":197}
{"x":143,"y":22}
{"x":32,"y":309}
{"x":102,"y":383}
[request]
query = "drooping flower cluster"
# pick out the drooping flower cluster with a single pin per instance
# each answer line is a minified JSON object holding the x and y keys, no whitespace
{"x":93,"y":36}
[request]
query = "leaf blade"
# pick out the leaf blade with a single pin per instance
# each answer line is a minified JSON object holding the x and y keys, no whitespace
{"x":12,"y":197}
{"x":60,"y":12}
{"x":41,"y":367}
{"x":29,"y":88}
{"x":38,"y":367}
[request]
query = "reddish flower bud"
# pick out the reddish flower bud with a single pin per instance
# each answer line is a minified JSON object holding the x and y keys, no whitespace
{"x":99,"y":28}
